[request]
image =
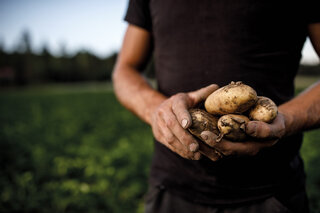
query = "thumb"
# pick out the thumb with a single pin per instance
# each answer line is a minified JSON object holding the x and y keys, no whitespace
{"x":202,"y":94}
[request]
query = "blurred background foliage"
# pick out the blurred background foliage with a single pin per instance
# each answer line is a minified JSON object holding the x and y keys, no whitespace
{"x":67,"y":145}
{"x":23,"y":66}
{"x":71,"y":152}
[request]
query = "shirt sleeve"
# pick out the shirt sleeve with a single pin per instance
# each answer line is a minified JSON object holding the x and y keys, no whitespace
{"x":138,"y":13}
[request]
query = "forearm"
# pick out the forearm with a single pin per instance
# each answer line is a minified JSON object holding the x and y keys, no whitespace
{"x":135,"y":93}
{"x":302,"y":112}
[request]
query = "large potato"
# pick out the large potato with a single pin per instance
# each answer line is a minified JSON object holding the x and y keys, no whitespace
{"x":234,"y":98}
{"x":232,"y":127}
{"x":265,"y":110}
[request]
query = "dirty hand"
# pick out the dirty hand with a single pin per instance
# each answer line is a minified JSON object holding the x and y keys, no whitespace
{"x":171,"y":119}
{"x":267,"y":135}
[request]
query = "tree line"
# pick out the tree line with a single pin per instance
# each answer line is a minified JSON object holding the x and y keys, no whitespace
{"x":23,"y":66}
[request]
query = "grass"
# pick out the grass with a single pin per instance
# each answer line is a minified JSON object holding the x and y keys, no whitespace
{"x":71,"y":152}
{"x":74,"y":148}
{"x":302,"y":82}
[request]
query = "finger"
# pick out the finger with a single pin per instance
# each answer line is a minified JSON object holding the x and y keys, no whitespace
{"x":209,"y":138}
{"x":258,"y":129}
{"x":184,"y":137}
{"x":230,"y":148}
{"x":201,"y":94}
{"x":180,"y":109}
{"x":209,"y":152}
{"x":165,"y":136}
{"x":222,"y":146}
{"x":174,"y":144}
{"x":248,"y":148}
{"x":226,"y":147}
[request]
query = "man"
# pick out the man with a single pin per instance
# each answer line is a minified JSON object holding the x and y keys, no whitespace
{"x":198,"y":45}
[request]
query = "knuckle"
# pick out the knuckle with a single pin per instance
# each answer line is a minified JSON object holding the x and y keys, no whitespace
{"x":182,"y":97}
{"x":173,"y":98}
{"x":179,"y":95}
{"x":175,"y":108}
{"x":187,"y":140}
{"x":161,"y":112}
{"x":170,"y":139}
{"x":177,"y":98}
{"x":170,"y":122}
{"x":263,"y":131}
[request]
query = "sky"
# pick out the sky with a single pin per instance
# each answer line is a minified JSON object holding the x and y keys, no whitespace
{"x":94,"y":25}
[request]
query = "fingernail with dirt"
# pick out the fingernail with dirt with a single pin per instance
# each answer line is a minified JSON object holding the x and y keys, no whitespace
{"x":197,"y":156}
{"x":184,"y":123}
{"x":204,"y":136}
{"x":193,"y":147}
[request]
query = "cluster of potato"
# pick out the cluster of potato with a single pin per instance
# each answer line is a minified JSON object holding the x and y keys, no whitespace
{"x":229,"y":108}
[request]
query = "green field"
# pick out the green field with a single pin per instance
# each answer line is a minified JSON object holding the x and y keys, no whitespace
{"x":67,"y":148}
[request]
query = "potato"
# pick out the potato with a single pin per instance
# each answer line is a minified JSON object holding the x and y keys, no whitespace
{"x":265,"y":110}
{"x":232,"y":127}
{"x":234,"y":98}
{"x":202,"y":121}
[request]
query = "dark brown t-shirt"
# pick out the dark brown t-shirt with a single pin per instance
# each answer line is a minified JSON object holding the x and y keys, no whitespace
{"x":197,"y":43}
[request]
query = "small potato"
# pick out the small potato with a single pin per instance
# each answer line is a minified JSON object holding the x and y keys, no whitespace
{"x":234,"y":98}
{"x":202,"y":121}
{"x":265,"y":110}
{"x":232,"y":127}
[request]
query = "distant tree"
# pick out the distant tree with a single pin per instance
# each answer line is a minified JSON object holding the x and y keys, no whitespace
{"x":63,"y":49}
{"x":45,"y":51}
{"x":45,"y":58}
{"x":3,"y":55}
{"x":25,"y":44}
{"x":109,"y":64}
{"x":305,"y":69}
{"x":25,"y":59}
{"x":1,"y":46}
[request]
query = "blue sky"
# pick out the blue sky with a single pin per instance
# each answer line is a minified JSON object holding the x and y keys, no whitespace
{"x":95,"y":25}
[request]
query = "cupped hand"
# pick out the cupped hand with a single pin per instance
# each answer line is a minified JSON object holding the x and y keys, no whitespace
{"x":171,"y":119}
{"x":262,"y":135}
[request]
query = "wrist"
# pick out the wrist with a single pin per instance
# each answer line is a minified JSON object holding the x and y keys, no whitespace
{"x":288,"y":122}
{"x":156,"y":101}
